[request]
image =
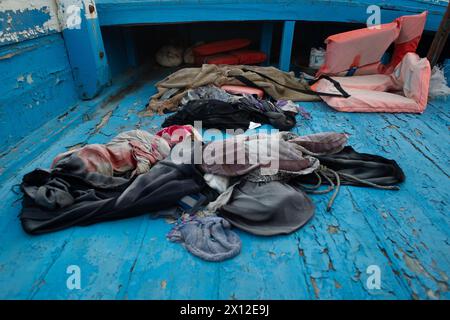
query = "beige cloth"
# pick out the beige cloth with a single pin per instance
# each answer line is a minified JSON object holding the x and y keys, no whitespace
{"x":219,"y":75}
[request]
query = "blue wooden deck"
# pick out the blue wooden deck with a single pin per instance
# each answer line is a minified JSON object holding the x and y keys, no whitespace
{"x":405,"y":233}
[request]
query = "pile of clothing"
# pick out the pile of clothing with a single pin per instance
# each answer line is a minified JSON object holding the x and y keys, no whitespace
{"x":256,"y":182}
{"x":275,"y":84}
{"x":265,"y":203}
{"x":217,"y":109}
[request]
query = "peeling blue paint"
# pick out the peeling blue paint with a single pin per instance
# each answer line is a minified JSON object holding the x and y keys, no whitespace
{"x":16,"y":26}
{"x":36,"y":85}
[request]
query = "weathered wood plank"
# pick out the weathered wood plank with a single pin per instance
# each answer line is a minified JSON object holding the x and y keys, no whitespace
{"x":33,"y":88}
{"x":25,"y":20}
{"x":400,"y":219}
{"x":117,"y":12}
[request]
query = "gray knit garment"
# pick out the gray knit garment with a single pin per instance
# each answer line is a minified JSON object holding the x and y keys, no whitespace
{"x":209,"y":238}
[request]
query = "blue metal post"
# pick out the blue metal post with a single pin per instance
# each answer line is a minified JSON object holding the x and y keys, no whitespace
{"x":286,"y":45}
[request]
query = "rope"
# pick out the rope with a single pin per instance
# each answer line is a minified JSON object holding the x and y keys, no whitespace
{"x":328,"y":174}
{"x":314,"y":187}
{"x":368,"y":183}
{"x":336,"y":191}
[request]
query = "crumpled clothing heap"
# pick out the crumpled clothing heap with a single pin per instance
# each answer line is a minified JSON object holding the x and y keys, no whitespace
{"x":223,"y":115}
{"x":128,"y":154}
{"x":215,"y":93}
{"x":70,"y":195}
{"x":220,"y":110}
{"x":285,"y":151}
{"x":267,"y":203}
{"x":189,"y":78}
{"x":214,"y":114}
{"x":209,"y":238}
{"x":208,"y":93}
{"x":282,"y":118}
{"x":260,"y":179}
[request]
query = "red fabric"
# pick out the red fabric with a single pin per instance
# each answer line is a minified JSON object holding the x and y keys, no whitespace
{"x":249,"y":56}
{"x":411,"y":28}
{"x":220,"y":47}
{"x":400,"y":50}
{"x":233,"y":58}
{"x":176,"y":133}
{"x":217,"y":59}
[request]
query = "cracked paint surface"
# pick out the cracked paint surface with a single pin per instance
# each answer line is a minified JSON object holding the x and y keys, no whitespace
{"x":65,"y":10}
{"x":28,"y":19}
{"x":21,"y":20}
{"x":36,"y":85}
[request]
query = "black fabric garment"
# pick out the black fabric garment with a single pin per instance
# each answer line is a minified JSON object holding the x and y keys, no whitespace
{"x":213,"y":114}
{"x":264,"y":111}
{"x":267,"y":208}
{"x":224,"y":115}
{"x":69,"y":195}
{"x":364,"y":166}
{"x":280,"y":207}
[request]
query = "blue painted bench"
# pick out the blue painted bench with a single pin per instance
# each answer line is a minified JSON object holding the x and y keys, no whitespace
{"x":136,"y":12}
